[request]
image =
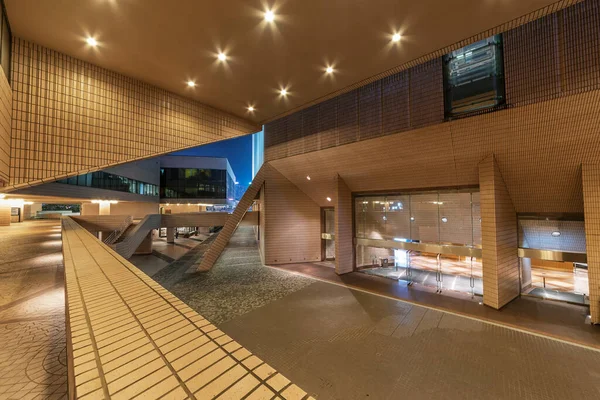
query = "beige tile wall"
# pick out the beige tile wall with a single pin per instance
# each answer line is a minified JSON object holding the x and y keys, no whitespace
{"x":343,"y":228}
{"x":292,"y":231}
{"x":71,"y":117}
{"x":5,"y":121}
{"x":499,"y":237}
{"x":591,"y":200}
{"x":4,"y":214}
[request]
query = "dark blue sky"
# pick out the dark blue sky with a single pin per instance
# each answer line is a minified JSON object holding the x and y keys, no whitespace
{"x":238,"y":151}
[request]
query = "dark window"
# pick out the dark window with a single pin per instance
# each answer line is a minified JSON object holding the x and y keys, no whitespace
{"x":474,"y":77}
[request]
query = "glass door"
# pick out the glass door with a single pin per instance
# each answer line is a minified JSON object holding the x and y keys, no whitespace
{"x":328,"y":234}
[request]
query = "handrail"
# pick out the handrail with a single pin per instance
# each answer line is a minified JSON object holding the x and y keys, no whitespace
{"x":110,"y":239}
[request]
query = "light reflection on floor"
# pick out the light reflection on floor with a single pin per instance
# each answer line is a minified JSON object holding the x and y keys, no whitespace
{"x":563,"y":281}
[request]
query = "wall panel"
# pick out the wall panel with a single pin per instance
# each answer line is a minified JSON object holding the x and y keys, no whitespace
{"x":292,"y":226}
{"x":5,"y":122}
{"x":70,"y":117}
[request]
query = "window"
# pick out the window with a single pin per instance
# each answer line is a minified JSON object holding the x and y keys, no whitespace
{"x":474,"y":77}
{"x":102,"y":180}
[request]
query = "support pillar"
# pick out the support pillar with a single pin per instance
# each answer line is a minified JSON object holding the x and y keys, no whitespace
{"x":170,"y":235}
{"x":4,"y":213}
{"x":344,"y":260}
{"x":146,"y":246}
{"x":590,"y":174}
{"x":499,"y":237}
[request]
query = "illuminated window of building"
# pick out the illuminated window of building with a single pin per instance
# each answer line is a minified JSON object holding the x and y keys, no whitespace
{"x":474,"y":78}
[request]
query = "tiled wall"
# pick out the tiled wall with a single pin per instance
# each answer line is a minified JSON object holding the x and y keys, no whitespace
{"x":591,"y":199}
{"x":499,"y":237}
{"x":5,"y":118}
{"x":554,"y":56}
{"x":70,"y":117}
{"x":343,"y":228}
{"x":292,"y":227}
{"x":537,"y":234}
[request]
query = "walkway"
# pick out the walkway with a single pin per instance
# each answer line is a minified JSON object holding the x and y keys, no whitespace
{"x":130,"y":338}
{"x":32,"y":313}
{"x":559,"y":320}
{"x":340,"y":343}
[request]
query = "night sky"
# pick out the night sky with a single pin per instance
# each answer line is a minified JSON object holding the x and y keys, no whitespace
{"x":238,"y":151}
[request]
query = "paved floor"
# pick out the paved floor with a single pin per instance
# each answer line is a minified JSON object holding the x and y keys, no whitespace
{"x":560,"y":320}
{"x":32,"y":323}
{"x":338,"y":343}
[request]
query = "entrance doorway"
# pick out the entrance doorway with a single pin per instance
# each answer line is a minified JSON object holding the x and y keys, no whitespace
{"x":327,"y":234}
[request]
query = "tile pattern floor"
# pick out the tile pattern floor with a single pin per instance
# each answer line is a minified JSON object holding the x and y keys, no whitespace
{"x":131,"y":338}
{"x":340,"y":343}
{"x":234,"y":286}
{"x":32,"y":322}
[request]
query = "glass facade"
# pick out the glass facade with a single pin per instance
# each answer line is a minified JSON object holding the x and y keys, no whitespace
{"x":258,"y":151}
{"x":449,"y":218}
{"x":104,"y":180}
{"x":434,"y":217}
{"x":473,"y":77}
{"x":192,"y":183}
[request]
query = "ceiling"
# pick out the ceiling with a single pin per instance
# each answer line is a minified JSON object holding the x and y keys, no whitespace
{"x":167,"y":43}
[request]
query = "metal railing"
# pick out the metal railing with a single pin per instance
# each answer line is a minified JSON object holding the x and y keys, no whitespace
{"x":110,"y":239}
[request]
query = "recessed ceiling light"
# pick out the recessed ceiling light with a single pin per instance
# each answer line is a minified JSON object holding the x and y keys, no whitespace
{"x":444,"y":219}
{"x":222,"y":56}
{"x":396,"y":37}
{"x":556,"y":233}
{"x":250,"y":108}
{"x":329,"y":70}
{"x":412,"y":218}
{"x":307,"y":177}
{"x":329,"y":199}
{"x":191,"y":83}
{"x":91,"y":41}
{"x":283,"y":92}
{"x":269,"y":16}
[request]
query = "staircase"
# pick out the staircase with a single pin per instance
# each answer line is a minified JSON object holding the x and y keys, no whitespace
{"x":134,"y":235}
{"x":118,"y":233}
{"x":217,"y":247}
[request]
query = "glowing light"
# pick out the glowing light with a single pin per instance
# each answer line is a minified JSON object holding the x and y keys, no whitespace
{"x":269,"y":16}
{"x":396,"y":37}
{"x":307,"y":177}
{"x":2,"y":195}
{"x":91,"y":41}
{"x":250,"y":108}
{"x":222,"y":56}
{"x":444,"y":219}
{"x":283,"y":92}
{"x":104,"y":201}
{"x":191,"y":83}
{"x":556,"y":233}
{"x":329,"y":199}
{"x":329,"y":70}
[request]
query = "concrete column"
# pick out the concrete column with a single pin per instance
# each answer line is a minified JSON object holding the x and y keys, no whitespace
{"x":170,"y":235}
{"x":104,"y":208}
{"x":4,"y":213}
{"x":499,"y":237}
{"x":591,"y":206}
{"x":146,"y":246}
{"x":344,"y":262}
{"x":30,"y":210}
{"x":90,"y":209}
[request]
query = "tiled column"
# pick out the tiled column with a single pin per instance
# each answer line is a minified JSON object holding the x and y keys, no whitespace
{"x":170,"y":235}
{"x":499,"y":237}
{"x":591,"y":205}
{"x":4,"y":213}
{"x":343,"y":228}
